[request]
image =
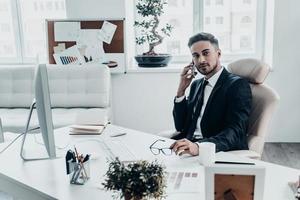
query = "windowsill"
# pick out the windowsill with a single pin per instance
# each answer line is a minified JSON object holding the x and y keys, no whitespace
{"x":171,"y":68}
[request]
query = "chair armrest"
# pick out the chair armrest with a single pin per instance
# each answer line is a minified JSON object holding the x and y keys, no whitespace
{"x":256,"y":144}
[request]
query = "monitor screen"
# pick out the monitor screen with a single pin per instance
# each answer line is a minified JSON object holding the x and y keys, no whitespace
{"x":43,"y":108}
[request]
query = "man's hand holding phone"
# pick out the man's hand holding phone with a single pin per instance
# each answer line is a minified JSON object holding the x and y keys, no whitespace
{"x":186,"y":77}
{"x":192,"y":71}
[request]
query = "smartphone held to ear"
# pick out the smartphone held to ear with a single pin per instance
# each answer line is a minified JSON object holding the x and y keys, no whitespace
{"x":192,"y":71}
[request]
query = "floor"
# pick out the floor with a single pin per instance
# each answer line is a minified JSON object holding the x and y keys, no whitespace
{"x":287,"y":154}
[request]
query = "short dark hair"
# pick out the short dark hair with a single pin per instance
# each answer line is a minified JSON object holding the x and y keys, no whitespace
{"x":204,"y":37}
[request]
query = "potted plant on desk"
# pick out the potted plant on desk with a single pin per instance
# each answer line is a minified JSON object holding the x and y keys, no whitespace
{"x":151,"y":10}
{"x":137,"y":180}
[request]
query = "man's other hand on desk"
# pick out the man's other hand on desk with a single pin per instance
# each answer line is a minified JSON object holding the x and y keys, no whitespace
{"x":184,"y":146}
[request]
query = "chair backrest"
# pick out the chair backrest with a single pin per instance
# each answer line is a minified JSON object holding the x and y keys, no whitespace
{"x":264,"y":100}
{"x":79,"y":86}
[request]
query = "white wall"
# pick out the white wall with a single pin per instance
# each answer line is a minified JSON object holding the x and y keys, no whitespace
{"x":143,"y":101}
{"x":95,"y":8}
{"x":285,"y":78}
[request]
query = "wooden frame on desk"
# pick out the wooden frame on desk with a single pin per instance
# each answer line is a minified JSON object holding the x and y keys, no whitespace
{"x":247,"y":182}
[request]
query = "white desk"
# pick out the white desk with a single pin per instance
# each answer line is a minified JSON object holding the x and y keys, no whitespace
{"x":47,"y":179}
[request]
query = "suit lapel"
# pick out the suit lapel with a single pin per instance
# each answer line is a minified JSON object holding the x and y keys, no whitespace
{"x":218,"y":85}
{"x":197,"y":90}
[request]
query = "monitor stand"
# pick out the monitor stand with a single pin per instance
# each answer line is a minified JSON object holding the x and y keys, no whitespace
{"x":36,"y":153}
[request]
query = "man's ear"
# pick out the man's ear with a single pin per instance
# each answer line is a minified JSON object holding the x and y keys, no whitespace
{"x":219,"y":52}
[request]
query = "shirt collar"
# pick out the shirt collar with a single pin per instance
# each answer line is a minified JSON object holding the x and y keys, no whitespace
{"x":213,"y":80}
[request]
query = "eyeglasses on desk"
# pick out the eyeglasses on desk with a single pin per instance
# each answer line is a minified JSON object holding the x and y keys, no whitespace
{"x":156,"y":150}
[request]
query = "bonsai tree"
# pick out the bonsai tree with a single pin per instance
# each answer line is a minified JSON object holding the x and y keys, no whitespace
{"x":136,"y":180}
{"x":151,"y":10}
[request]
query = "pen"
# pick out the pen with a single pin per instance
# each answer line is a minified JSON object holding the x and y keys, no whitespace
{"x":77,"y":156}
{"x":117,"y":134}
{"x":80,"y":161}
{"x":86,"y":158}
{"x":234,"y":163}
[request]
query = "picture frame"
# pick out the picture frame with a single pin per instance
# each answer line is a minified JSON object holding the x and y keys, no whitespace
{"x":234,"y":182}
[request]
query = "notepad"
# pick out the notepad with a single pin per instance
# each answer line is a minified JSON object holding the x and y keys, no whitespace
{"x":86,"y":129}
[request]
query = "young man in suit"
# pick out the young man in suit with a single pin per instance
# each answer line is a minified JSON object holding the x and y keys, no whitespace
{"x":218,"y":106}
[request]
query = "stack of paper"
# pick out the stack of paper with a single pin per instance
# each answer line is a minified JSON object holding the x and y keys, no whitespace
{"x":86,"y":129}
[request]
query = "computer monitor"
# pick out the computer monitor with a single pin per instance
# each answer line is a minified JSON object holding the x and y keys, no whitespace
{"x":43,"y":107}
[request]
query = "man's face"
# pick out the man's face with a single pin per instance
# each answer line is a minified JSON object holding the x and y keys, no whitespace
{"x":206,"y":58}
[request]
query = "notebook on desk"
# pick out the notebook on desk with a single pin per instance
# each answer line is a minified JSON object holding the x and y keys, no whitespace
{"x":89,"y":124}
{"x":86,"y":129}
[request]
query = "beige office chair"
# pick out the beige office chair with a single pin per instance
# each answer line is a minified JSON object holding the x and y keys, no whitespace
{"x":264,"y":102}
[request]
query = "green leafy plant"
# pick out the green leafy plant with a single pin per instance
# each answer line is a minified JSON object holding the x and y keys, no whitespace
{"x":151,"y":10}
{"x":136,"y":180}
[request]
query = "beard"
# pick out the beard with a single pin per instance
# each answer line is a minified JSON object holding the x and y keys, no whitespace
{"x":206,"y":69}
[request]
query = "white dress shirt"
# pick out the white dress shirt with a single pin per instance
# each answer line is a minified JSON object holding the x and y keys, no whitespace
{"x":208,"y":89}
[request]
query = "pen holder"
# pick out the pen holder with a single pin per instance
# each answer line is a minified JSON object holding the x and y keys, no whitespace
{"x":80,"y":174}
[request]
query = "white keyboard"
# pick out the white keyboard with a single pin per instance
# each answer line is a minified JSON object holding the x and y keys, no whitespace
{"x":116,"y":148}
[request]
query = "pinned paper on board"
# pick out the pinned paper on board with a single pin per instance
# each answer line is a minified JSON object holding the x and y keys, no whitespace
{"x":59,"y":48}
{"x":97,"y":41}
{"x":90,"y":45}
{"x":107,"y":32}
{"x":69,"y":56}
{"x":66,"y":31}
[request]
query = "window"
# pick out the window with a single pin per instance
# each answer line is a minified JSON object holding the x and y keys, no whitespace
{"x":247,"y":2}
{"x":172,"y":3}
{"x":235,"y":25}
{"x":181,"y":18}
{"x":8,"y":49}
{"x":219,"y":2}
{"x":219,"y":20}
{"x":3,"y":6}
{"x":207,"y":2}
{"x":246,"y":19}
{"x":207,"y":20}
{"x":245,"y":42}
{"x":5,"y":28}
{"x":23,"y":27}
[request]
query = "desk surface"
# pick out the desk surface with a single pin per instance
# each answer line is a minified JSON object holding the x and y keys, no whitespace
{"x":46,"y":179}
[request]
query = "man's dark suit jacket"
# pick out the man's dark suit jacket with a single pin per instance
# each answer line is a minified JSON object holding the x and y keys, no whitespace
{"x":225,"y":118}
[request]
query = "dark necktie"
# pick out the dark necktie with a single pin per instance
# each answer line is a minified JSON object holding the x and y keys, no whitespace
{"x":198,"y":104}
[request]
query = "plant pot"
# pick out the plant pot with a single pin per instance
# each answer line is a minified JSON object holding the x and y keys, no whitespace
{"x":159,"y":60}
{"x":127,"y":196}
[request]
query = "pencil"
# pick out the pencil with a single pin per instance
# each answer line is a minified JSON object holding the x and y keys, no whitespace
{"x":80,"y":163}
{"x":235,"y":163}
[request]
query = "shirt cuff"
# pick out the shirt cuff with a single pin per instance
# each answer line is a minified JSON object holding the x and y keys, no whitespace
{"x":179,"y":99}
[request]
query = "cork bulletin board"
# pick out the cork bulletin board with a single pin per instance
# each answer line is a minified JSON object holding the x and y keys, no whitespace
{"x":115,"y":51}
